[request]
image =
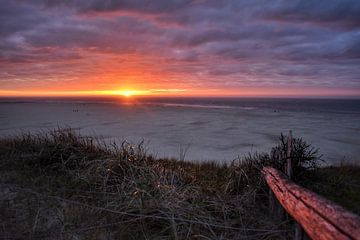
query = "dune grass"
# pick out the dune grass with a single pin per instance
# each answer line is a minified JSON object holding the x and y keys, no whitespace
{"x":341,"y":184}
{"x":61,"y":185}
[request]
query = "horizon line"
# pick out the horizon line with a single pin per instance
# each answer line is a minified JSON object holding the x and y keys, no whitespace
{"x":246,"y":92}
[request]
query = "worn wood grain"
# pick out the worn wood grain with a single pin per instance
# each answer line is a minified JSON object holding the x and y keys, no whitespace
{"x":320,"y":218}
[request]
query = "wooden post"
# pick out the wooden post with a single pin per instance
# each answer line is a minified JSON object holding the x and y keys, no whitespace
{"x":300,"y":234}
{"x":271,"y":201}
{"x":274,"y":206}
{"x":288,"y":155}
{"x":299,"y":231}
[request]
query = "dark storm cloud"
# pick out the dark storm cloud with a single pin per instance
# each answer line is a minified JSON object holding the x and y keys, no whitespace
{"x":146,"y":6}
{"x":258,"y":42}
{"x":344,"y":13}
{"x":15,"y":18}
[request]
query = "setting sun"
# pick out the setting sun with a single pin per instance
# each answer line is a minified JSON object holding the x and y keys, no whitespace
{"x":127,"y":93}
{"x":124,"y":93}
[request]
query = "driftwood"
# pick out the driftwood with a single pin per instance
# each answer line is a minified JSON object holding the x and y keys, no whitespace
{"x":319,"y":217}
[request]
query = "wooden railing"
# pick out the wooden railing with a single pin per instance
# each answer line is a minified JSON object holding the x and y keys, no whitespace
{"x":317,"y":216}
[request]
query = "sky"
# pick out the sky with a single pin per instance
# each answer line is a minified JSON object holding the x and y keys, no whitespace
{"x":180,"y":47}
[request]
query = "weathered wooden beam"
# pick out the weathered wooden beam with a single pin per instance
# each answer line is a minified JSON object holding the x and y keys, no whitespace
{"x":320,"y":218}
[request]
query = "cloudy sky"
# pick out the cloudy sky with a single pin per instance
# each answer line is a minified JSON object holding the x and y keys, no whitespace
{"x":214,"y":47}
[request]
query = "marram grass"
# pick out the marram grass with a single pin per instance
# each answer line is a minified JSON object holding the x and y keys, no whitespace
{"x":61,"y":185}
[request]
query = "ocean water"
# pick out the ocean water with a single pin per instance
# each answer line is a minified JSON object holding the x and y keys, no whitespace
{"x":220,"y":129}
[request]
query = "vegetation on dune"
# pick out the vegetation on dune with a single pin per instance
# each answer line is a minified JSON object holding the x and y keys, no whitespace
{"x":60,"y":185}
{"x":340,"y":184}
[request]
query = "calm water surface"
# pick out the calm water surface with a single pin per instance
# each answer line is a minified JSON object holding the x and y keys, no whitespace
{"x":209,"y":129}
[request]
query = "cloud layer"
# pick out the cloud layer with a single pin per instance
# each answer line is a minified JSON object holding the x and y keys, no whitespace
{"x":107,"y":44}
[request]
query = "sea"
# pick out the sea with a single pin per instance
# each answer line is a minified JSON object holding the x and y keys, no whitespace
{"x":195,"y":129}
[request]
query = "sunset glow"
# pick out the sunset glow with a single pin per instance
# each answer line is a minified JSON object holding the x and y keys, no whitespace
{"x":127,"y":93}
{"x":245,"y":92}
{"x":179,"y":48}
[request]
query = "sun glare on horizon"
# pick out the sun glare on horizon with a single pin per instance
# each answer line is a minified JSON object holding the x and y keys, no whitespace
{"x":127,"y":93}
